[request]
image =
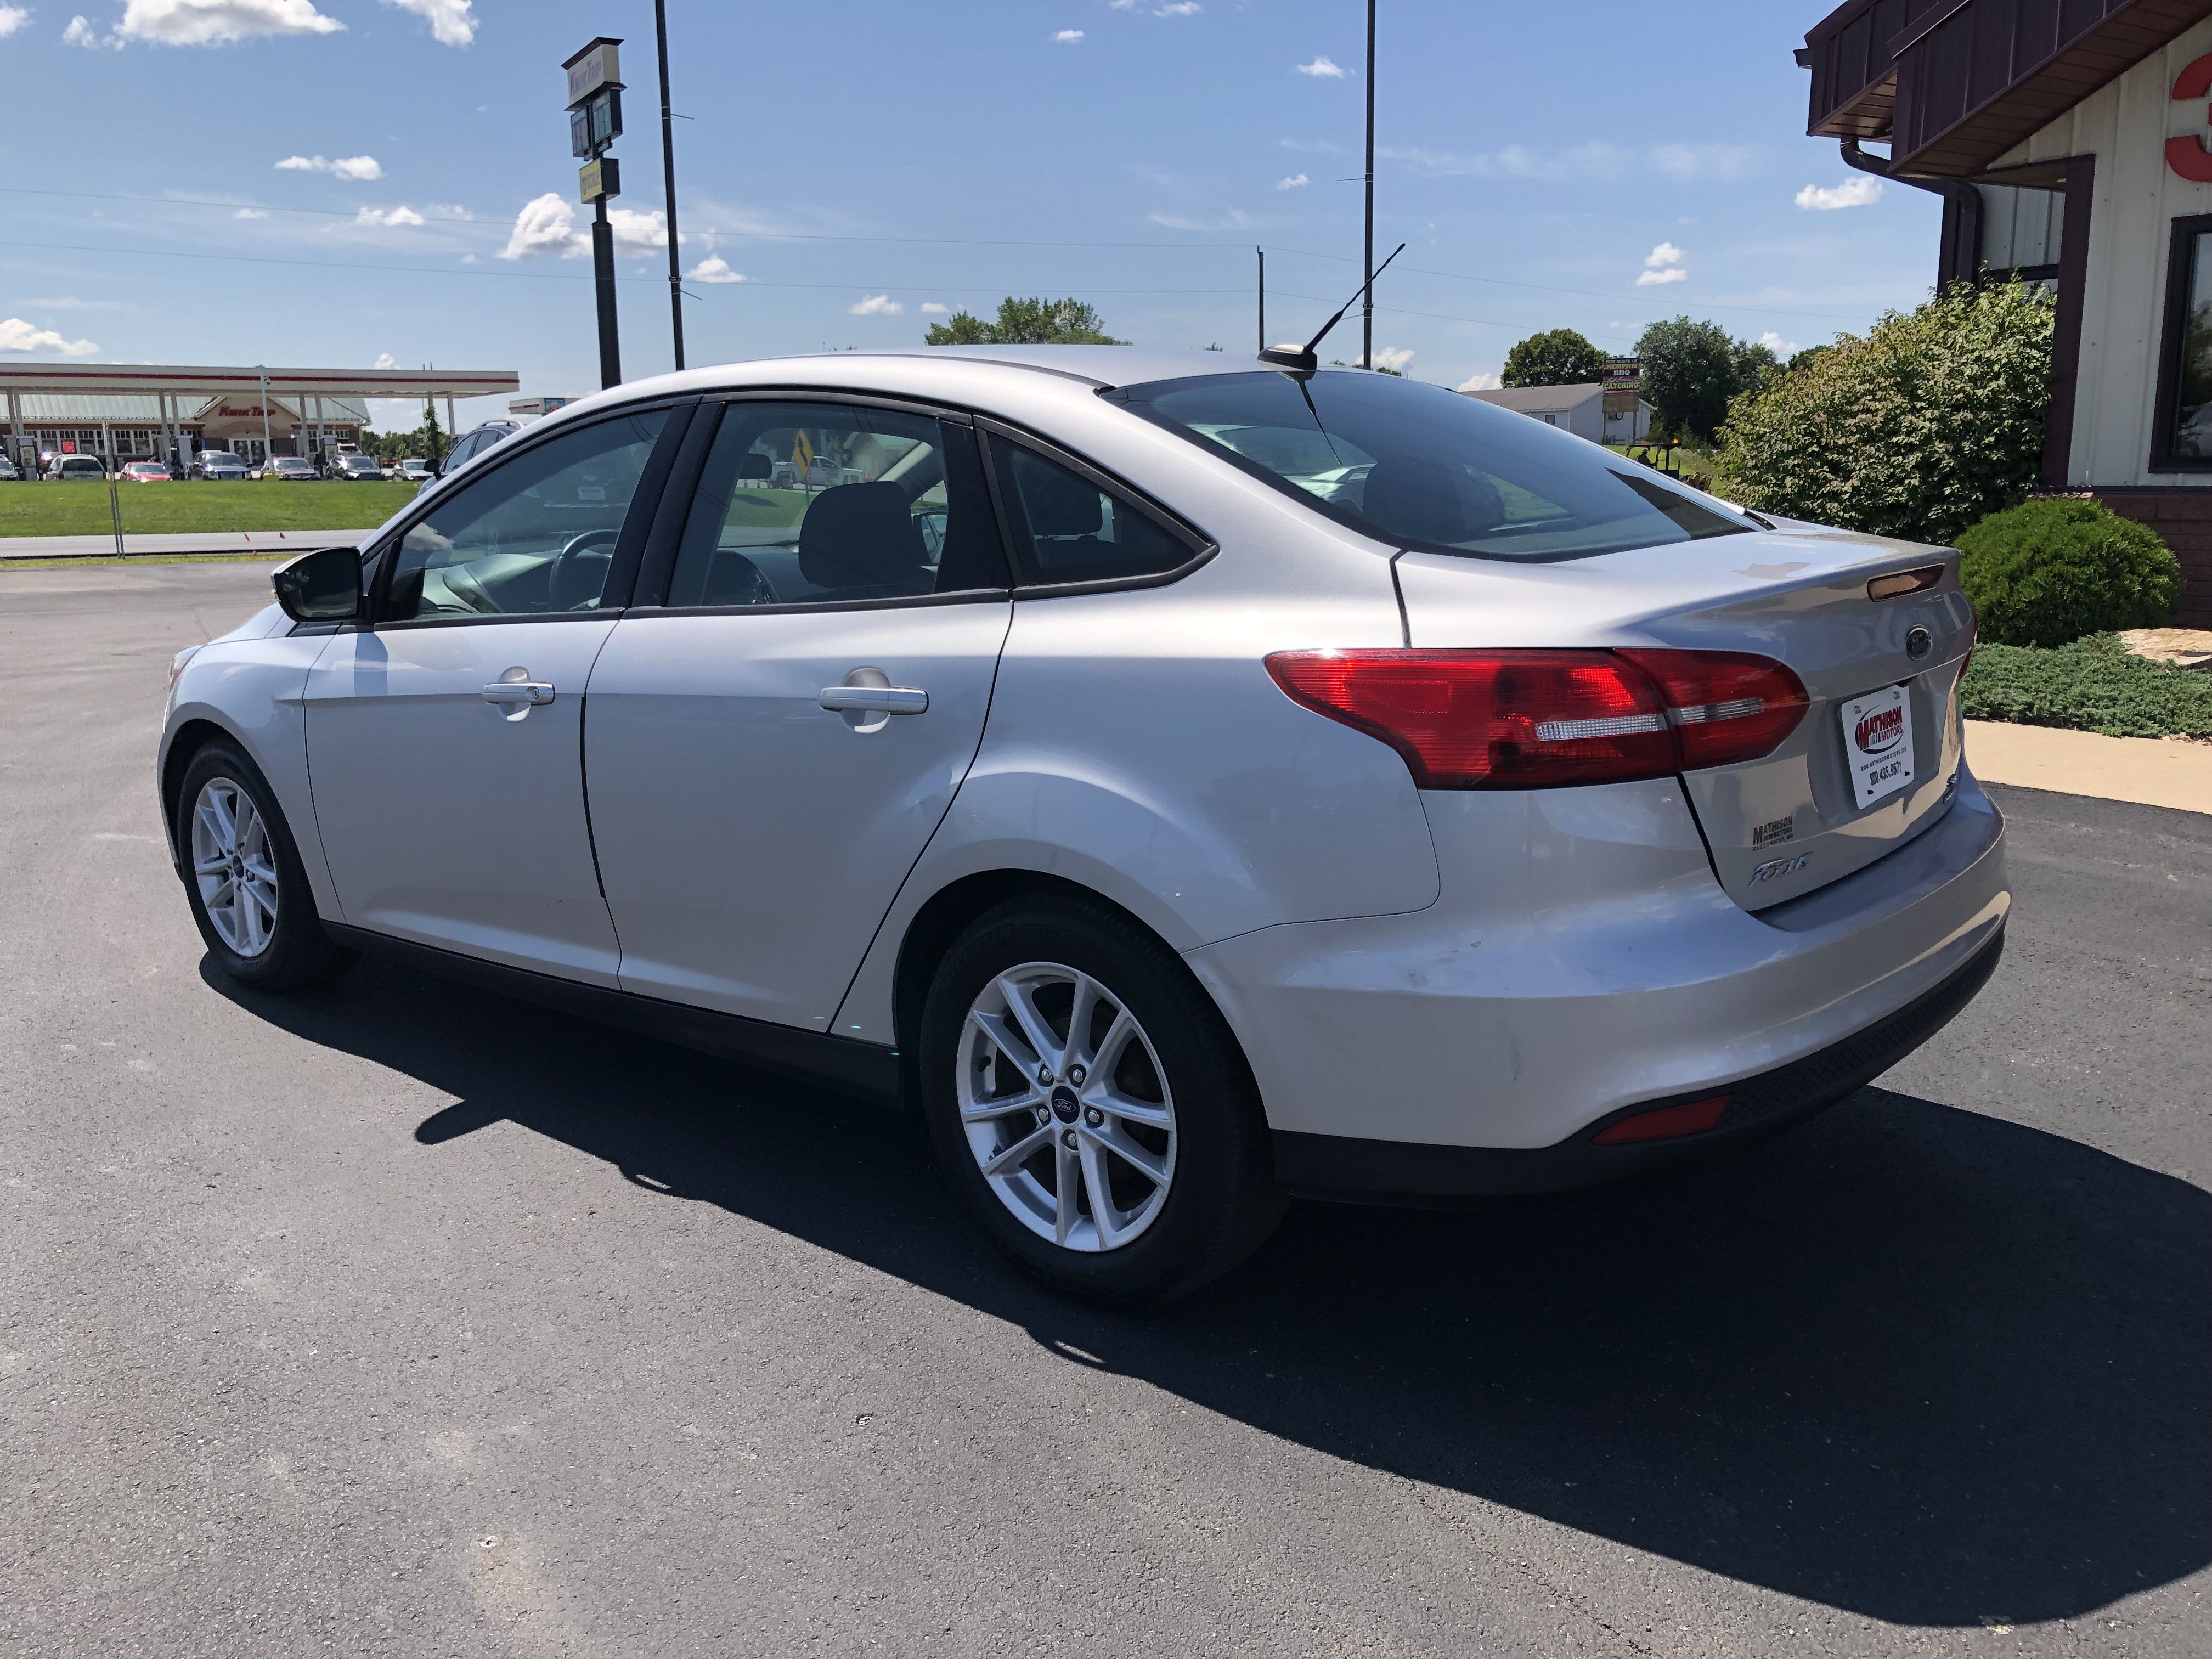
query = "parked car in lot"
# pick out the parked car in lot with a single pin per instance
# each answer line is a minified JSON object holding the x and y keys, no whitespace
{"x":1250,"y":783}
{"x":354,"y":469}
{"x":415,"y":470}
{"x":219,"y":464}
{"x":472,"y":443}
{"x":8,"y":473}
{"x":144,"y":472}
{"x":80,"y":468}
{"x":292,"y":468}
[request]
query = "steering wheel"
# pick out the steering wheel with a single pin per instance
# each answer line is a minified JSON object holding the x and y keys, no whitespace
{"x":579,"y":578}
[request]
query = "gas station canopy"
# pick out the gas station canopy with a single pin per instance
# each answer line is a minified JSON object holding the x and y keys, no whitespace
{"x":147,"y":380}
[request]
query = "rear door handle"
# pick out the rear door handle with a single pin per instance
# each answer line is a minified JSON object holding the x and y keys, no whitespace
{"x":874,"y":700}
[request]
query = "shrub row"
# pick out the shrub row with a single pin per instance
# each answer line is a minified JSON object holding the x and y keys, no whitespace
{"x":2091,"y":684}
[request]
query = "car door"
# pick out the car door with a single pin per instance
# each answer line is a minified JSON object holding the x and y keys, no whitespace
{"x":775,"y":737}
{"x":445,"y":739}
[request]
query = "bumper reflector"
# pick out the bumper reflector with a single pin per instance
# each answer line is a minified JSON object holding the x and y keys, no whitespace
{"x":1692,"y":1117}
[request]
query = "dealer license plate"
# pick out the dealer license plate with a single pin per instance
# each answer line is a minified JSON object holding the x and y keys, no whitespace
{"x":1878,"y":743}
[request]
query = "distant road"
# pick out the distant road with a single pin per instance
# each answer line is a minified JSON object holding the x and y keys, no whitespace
{"x":278,"y":543}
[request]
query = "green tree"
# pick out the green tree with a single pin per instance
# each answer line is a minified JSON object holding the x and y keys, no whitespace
{"x":1025,"y":322}
{"x":1756,"y":366}
{"x":1557,"y":357}
{"x":1928,"y":424}
{"x":1689,"y":375}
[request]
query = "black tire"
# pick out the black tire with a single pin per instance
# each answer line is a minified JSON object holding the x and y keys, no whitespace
{"x":298,"y":952}
{"x":1221,"y":1202}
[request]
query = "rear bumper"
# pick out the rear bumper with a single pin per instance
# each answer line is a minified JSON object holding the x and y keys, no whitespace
{"x":1344,"y":1167}
{"x":1581,"y":961}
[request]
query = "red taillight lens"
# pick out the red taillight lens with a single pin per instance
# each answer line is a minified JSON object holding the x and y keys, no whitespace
{"x":1491,"y":720}
{"x":1728,"y":706}
{"x":1543,"y":719}
{"x":1663,"y":1122}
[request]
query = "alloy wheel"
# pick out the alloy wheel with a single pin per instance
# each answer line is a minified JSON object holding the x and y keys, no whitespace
{"x":234,"y":866}
{"x":1065,"y":1107}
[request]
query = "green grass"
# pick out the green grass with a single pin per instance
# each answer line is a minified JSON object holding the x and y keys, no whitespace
{"x":81,"y":509}
{"x":2091,"y":685}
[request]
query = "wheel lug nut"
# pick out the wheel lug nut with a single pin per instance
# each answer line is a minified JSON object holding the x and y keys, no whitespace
{"x":1044,"y":1075}
{"x":1044,"y":1113}
{"x":1094,"y":1117}
{"x":1075,"y":1075}
{"x":1067,"y":1138}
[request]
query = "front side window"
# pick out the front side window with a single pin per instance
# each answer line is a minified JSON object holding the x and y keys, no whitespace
{"x":805,"y":503}
{"x":1425,"y":468}
{"x":534,"y":535}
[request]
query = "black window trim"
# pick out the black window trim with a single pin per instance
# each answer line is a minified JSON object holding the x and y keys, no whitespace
{"x":658,"y":567}
{"x":1202,"y":546}
{"x":2184,"y":232}
{"x":628,"y":550}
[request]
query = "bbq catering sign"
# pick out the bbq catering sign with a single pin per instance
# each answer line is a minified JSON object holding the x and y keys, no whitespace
{"x":1622,"y":378}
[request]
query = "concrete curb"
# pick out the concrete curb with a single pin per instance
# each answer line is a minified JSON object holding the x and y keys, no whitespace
{"x":278,"y":543}
{"x":2148,"y":771}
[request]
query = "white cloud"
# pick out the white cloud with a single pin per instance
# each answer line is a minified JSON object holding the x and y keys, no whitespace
{"x":1480,"y":383}
{"x":1312,"y":146}
{"x":71,"y":302}
{"x":385,"y":360}
{"x":1781,"y":348}
{"x":81,"y":32}
{"x":451,"y":25}
{"x":546,"y":225}
{"x":931,"y":306}
{"x":1178,"y":8}
{"x":402,"y":214}
{"x":1860,"y":191}
{"x":636,"y":232}
{"x":214,"y":22}
{"x":1295,"y":181}
{"x":249,"y":213}
{"x":16,"y":335}
{"x":1393,"y":357}
{"x":360,"y":168}
{"x":1234,"y":219}
{"x":13,"y":18}
{"x":470,"y":260}
{"x":1067,"y":37}
{"x":1598,"y":160}
{"x":1322,"y":68}
{"x":716,"y":269}
{"x":877,"y":304}
{"x":1662,"y":265}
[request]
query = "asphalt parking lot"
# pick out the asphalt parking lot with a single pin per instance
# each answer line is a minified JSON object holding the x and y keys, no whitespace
{"x":398,"y":1318}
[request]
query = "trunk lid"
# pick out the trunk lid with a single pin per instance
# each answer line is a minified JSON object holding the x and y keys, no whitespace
{"x":1793,"y":820}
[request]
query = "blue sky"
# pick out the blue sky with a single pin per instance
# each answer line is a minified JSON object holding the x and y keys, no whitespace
{"x":1592,"y":166}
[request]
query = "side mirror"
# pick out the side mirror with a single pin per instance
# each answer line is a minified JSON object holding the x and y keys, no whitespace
{"x":324,"y":585}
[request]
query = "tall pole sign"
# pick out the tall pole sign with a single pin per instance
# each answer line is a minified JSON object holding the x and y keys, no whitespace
{"x":668,"y":168}
{"x":595,"y":90}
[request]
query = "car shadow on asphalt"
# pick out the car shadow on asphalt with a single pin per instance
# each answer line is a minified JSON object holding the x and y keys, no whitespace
{"x":1909,"y":1361}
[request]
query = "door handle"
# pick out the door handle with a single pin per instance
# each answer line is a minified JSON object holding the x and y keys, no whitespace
{"x":515,"y":688}
{"x":872,"y":699}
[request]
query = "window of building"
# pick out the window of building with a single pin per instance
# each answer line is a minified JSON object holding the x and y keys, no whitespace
{"x":2183,"y":441}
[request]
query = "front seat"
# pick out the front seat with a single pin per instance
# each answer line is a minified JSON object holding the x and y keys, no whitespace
{"x":861,"y":538}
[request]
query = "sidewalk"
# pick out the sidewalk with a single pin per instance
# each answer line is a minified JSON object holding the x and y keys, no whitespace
{"x":278,"y":543}
{"x":2149,"y":771}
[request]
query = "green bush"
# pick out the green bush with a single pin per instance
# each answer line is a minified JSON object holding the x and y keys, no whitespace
{"x":1931,"y":421}
{"x":2091,"y":685}
{"x":2049,"y":572}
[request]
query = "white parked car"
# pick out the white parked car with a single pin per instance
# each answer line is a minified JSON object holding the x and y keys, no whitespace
{"x":1176,"y":816}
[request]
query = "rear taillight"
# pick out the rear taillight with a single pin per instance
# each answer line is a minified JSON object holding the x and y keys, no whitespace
{"x":1728,"y":706}
{"x":1543,"y":719}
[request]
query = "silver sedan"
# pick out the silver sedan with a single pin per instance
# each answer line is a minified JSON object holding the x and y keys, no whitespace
{"x":1186,"y":781}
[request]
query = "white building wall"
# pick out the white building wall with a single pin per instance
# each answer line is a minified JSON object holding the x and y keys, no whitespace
{"x":2137,"y":196}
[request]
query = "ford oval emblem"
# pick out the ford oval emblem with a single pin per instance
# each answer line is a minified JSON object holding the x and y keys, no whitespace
{"x":1918,"y":643}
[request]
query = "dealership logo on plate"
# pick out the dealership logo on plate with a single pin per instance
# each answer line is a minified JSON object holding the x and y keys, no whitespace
{"x":1879,"y":731}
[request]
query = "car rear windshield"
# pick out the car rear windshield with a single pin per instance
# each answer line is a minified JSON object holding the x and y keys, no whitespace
{"x":1427,"y":468}
{"x":221,"y":457}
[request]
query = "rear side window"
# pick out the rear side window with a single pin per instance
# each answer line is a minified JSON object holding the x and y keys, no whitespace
{"x":1426,"y":468}
{"x":1067,"y":529}
{"x":805,"y":503}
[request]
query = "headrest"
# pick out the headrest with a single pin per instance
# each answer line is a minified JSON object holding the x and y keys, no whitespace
{"x":1404,"y":498}
{"x":861,"y":535}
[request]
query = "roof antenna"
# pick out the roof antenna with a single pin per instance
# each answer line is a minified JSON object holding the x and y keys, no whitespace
{"x":1302,"y":360}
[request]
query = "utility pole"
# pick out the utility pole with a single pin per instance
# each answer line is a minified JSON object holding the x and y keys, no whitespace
{"x":668,"y":168}
{"x":1367,"y":256}
{"x":595,"y":90}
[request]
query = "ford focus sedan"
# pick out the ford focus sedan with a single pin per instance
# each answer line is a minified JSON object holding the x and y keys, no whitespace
{"x":1184,"y":781}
